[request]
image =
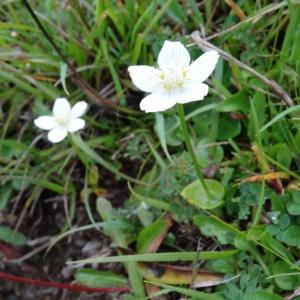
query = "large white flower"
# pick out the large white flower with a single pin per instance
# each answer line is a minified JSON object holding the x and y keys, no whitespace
{"x":65,"y":119}
{"x":175,"y":80}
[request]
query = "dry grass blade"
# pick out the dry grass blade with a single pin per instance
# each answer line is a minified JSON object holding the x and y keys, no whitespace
{"x":272,"y":84}
{"x":236,"y":9}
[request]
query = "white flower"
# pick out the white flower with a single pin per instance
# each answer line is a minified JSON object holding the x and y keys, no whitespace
{"x":65,"y":119}
{"x":175,"y":80}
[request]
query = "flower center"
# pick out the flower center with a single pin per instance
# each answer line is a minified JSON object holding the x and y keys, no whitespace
{"x":173,"y":78}
{"x":63,"y":120}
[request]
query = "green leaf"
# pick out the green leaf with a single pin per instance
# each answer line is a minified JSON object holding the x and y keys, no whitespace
{"x":229,"y":128}
{"x":195,"y":194}
{"x":291,"y":236}
{"x":63,"y":73}
{"x":92,"y":154}
{"x":176,"y":12}
{"x":106,"y":211}
{"x":259,"y":104}
{"x":150,"y":237}
{"x":262,"y":295}
{"x":206,"y":156}
{"x":262,"y":233}
{"x":282,"y":153}
{"x":294,"y":209}
{"x":284,"y":156}
{"x":189,"y":292}
{"x":12,"y":237}
{"x":285,"y":281}
{"x":96,"y":279}
{"x":243,"y":244}
{"x":237,"y":102}
{"x":225,"y":265}
{"x":278,"y":247}
{"x":160,"y":129}
{"x":160,"y":257}
{"x":277,"y":203}
{"x":210,"y":227}
{"x":296,"y":197}
{"x":174,"y":137}
{"x":284,"y":221}
{"x":5,"y":193}
{"x":280,"y":116}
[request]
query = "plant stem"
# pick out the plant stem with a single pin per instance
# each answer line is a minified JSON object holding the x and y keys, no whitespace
{"x":260,"y":205}
{"x":58,"y":285}
{"x":190,"y":148}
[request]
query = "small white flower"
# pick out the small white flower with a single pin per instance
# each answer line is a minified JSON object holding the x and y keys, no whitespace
{"x":65,"y":119}
{"x":175,"y":80}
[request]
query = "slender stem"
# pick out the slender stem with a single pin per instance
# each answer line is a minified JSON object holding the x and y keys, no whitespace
{"x":190,"y":148}
{"x":260,"y":205}
{"x":58,"y":285}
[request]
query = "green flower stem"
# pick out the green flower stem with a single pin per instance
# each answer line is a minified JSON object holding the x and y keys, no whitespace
{"x":190,"y":148}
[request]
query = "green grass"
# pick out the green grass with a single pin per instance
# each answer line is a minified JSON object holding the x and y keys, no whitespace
{"x":241,"y":129}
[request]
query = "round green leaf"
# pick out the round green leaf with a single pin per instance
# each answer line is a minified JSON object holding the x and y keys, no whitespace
{"x":284,"y":221}
{"x":286,"y":281}
{"x":206,"y":157}
{"x":293,"y":209}
{"x":195,"y":194}
{"x":291,"y":236}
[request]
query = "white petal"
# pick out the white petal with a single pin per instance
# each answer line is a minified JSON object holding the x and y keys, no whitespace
{"x":173,"y":54}
{"x":157,"y":101}
{"x":79,"y":109}
{"x":192,"y":93}
{"x":145,"y":78}
{"x":75,"y":124}
{"x":57,"y":134}
{"x":61,"y":108}
{"x":45,"y":122}
{"x":203,"y":66}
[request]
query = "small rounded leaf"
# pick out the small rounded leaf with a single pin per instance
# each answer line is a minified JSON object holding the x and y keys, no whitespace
{"x":291,"y":236}
{"x":195,"y":194}
{"x":285,"y":282}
